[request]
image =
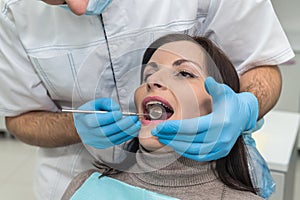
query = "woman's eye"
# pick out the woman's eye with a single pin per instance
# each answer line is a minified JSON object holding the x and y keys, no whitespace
{"x":186,"y":74}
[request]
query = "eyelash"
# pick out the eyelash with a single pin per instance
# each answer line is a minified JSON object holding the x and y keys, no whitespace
{"x":185,"y":74}
{"x":182,"y":73}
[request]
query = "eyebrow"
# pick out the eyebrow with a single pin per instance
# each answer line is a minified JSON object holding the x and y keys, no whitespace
{"x":175,"y":63}
{"x":153,"y":65}
{"x":181,"y":61}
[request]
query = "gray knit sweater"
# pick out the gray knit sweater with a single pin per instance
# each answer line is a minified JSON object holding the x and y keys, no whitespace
{"x":173,"y":176}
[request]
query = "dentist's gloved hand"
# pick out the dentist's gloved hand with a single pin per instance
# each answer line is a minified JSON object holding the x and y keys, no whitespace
{"x":108,"y":129}
{"x":212,"y":136}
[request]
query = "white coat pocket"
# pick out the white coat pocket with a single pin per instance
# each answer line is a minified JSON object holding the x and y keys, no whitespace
{"x":76,"y":76}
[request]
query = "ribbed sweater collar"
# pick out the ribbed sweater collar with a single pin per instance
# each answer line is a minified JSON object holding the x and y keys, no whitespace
{"x":170,"y":169}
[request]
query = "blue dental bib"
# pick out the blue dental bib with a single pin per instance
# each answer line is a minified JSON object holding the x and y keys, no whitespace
{"x":107,"y":188}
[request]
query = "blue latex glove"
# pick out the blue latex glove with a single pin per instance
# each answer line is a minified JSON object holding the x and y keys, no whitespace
{"x":94,"y":7}
{"x":108,"y":129}
{"x":212,"y":136}
{"x":260,"y":175}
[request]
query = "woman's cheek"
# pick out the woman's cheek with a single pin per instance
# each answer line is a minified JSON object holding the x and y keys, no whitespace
{"x":138,"y":97}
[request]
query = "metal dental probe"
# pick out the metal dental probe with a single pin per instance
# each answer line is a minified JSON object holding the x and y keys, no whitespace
{"x":155,"y":113}
{"x":99,"y":111}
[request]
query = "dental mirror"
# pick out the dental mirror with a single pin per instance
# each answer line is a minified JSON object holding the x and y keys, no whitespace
{"x":156,"y":112}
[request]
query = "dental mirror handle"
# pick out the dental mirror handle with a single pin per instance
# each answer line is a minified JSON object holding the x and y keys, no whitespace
{"x":97,"y":111}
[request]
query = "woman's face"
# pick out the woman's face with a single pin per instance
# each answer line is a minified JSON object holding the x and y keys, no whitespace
{"x":173,"y":79}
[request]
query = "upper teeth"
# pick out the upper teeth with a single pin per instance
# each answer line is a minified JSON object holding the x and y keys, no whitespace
{"x":156,"y":102}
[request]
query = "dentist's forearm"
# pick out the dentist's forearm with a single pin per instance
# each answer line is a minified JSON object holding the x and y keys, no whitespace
{"x":265,"y":83}
{"x":44,"y":129}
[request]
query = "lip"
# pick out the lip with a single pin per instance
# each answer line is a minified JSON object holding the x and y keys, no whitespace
{"x":149,"y":122}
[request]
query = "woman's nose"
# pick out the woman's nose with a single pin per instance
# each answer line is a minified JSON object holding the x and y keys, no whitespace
{"x":155,"y":83}
{"x":153,"y":86}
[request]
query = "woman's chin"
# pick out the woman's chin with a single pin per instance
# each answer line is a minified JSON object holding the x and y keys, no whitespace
{"x":150,"y":142}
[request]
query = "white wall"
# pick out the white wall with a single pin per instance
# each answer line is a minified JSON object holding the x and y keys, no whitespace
{"x":290,"y":94}
{"x":289,"y":16}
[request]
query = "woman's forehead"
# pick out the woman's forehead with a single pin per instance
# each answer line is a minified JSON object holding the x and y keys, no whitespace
{"x":181,"y":49}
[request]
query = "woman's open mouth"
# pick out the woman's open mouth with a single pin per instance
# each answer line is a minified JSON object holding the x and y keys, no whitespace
{"x":157,"y":108}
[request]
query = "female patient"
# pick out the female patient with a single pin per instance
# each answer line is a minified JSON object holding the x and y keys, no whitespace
{"x":173,"y":74}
